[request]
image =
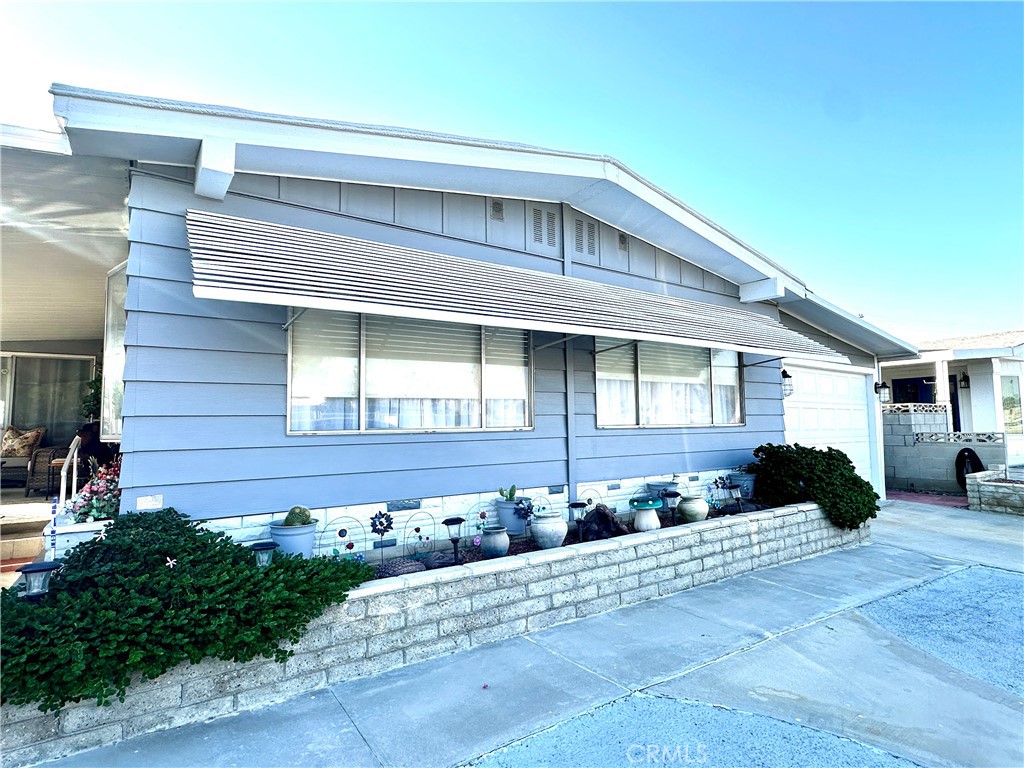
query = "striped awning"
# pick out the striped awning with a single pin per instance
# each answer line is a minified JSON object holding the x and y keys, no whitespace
{"x":239,"y":259}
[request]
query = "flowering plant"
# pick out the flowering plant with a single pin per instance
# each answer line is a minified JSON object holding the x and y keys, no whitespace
{"x":100,"y":498}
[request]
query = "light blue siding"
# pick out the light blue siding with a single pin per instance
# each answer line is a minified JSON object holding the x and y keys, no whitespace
{"x":206,"y":381}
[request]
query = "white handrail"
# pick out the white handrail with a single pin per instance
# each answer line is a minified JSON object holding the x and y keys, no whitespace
{"x":72,"y":462}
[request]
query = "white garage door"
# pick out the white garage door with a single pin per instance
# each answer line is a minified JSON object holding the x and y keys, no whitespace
{"x":829,"y":409}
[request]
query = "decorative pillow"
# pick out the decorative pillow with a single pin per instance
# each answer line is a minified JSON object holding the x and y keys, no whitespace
{"x":17,"y":443}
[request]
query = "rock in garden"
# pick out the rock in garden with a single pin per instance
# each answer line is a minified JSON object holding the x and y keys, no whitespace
{"x":399,"y":567}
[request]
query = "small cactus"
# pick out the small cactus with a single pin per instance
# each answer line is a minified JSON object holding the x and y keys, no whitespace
{"x":509,"y":495}
{"x":298,"y":516}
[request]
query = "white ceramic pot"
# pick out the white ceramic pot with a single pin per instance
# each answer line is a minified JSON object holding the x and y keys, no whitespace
{"x":646,"y":520}
{"x":294,"y":539}
{"x":494,"y":541}
{"x":549,"y":529}
{"x":507,"y":516}
{"x":745,"y":480}
{"x":692,"y":508}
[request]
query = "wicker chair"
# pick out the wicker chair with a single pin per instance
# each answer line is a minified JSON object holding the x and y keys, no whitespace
{"x":44,"y":476}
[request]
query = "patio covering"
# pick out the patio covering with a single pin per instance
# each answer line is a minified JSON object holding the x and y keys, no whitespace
{"x":240,"y":259}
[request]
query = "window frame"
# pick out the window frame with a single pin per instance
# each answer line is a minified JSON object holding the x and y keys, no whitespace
{"x":1002,"y":401}
{"x":531,"y":409}
{"x":642,"y":424}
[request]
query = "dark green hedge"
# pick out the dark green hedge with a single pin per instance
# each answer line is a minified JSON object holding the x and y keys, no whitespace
{"x":790,"y":474}
{"x":156,"y":591}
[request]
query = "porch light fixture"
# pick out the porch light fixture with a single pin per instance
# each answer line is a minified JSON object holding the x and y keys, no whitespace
{"x":883,"y":392}
{"x":454,"y":526}
{"x":264,"y":552}
{"x":965,"y":381}
{"x":787,"y":383}
{"x":37,"y":577}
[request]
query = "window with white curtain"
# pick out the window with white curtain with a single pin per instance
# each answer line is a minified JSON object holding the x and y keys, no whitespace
{"x":354,"y":372}
{"x":678,"y":385}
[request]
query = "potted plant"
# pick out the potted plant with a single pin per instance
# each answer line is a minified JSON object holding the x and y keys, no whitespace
{"x":692,"y":508}
{"x":744,"y":476}
{"x":295,"y":534}
{"x":548,"y":527}
{"x":513,"y":511}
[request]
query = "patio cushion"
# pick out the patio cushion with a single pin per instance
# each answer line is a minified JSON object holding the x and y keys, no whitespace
{"x":18,"y":443}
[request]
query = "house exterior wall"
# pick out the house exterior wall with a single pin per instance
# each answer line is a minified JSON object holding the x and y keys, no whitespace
{"x":205,"y":381}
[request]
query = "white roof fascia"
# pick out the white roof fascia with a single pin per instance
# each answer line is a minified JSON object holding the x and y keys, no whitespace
{"x":19,"y":137}
{"x":580,"y":179}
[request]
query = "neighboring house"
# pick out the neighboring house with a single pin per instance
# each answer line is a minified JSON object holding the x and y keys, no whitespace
{"x":353,"y":317}
{"x":974,"y":382}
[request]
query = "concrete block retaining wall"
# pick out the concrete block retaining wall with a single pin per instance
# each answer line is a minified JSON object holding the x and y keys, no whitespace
{"x":392,"y":622}
{"x":984,"y":495}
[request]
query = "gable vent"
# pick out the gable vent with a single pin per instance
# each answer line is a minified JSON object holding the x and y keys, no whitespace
{"x":591,"y":239}
{"x":497,"y":210}
{"x":578,"y":242}
{"x":623,"y":242}
{"x":538,"y":226}
{"x":552,"y":232}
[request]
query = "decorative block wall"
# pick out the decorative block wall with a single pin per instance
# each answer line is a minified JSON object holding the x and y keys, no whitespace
{"x":402,"y":620}
{"x":987,"y":496}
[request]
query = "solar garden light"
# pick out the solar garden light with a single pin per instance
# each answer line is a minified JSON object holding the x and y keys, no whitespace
{"x":671,"y":499}
{"x":576,"y":515}
{"x":736,"y":492}
{"x":37,"y":578}
{"x":264,"y":552}
{"x":454,"y":526}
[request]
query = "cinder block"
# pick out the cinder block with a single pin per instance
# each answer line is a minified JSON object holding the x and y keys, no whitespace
{"x":674,"y":557}
{"x":654,"y":548}
{"x":247,"y":676}
{"x":632,"y":596}
{"x":618,"y":585}
{"x":708,"y":576}
{"x":556,"y":584}
{"x":63,"y":746}
{"x":427,"y":614}
{"x":549,"y":618}
{"x":574,"y":595}
{"x":370,"y":625}
{"x":597,"y":575}
{"x":440,"y":647}
{"x":675,"y":585}
{"x":599,"y":605}
{"x":281,"y":690}
{"x":657,"y":575}
{"x":397,"y":602}
{"x":485,"y":600}
{"x":302,"y":664}
{"x":469,"y":586}
{"x":365,"y":668}
{"x":172,"y":718}
{"x":31,"y":731}
{"x":403,"y":638}
{"x":87,"y":716}
{"x":523,"y":575}
{"x":498,"y":632}
{"x":637,"y":566}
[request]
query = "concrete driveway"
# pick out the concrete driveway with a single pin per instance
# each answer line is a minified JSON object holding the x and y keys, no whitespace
{"x":904,"y":652}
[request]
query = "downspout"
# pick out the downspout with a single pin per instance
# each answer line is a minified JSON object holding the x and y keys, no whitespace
{"x":570,"y":376}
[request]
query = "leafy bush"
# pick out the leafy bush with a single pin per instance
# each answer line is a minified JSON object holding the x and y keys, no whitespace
{"x":789,"y":474}
{"x":155,"y":591}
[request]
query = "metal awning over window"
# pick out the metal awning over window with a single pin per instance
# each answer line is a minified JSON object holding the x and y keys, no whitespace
{"x":239,"y":259}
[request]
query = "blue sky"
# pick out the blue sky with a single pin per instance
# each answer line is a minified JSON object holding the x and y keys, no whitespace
{"x":876,"y":150}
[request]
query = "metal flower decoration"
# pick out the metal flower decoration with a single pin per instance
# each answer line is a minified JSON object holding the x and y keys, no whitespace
{"x":381,"y":523}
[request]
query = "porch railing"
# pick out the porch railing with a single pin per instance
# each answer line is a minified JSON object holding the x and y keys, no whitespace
{"x":71,"y":462}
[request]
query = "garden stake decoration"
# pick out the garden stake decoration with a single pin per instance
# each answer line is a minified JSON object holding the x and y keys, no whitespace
{"x":380,"y":524}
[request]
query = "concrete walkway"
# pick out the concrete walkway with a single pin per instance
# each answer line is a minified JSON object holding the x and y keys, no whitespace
{"x":907,"y":651}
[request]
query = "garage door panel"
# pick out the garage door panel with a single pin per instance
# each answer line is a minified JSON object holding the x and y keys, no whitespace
{"x":829,"y":409}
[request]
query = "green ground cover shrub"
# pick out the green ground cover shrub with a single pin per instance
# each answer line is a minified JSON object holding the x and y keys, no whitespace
{"x":790,"y":474}
{"x":155,"y":591}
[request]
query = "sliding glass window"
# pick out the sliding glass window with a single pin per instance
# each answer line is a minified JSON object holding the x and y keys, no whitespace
{"x":679,"y":386}
{"x":354,"y":372}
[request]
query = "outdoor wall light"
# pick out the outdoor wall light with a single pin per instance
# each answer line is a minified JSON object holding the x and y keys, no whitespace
{"x":37,"y":577}
{"x":454,"y":526}
{"x":787,"y":383}
{"x":883,"y":392}
{"x":965,"y":381}
{"x":264,"y":552}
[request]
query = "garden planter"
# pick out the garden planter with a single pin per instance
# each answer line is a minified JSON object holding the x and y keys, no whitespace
{"x":646,"y":517}
{"x":692,"y":508}
{"x":70,"y":536}
{"x":507,"y":516}
{"x":294,"y":539}
{"x":549,"y":529}
{"x":494,"y":541}
{"x":658,"y":489}
{"x":745,"y":480}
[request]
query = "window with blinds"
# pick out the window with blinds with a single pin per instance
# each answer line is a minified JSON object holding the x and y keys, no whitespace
{"x":647,"y":384}
{"x":354,"y":372}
